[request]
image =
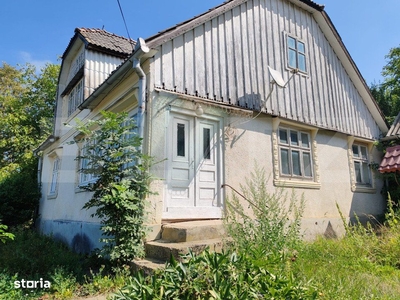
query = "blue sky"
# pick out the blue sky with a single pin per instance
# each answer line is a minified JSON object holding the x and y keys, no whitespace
{"x":39,"y":31}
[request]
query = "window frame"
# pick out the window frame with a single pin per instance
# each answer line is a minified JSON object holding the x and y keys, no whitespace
{"x":75,"y":97}
{"x":298,"y":53}
{"x":55,"y":173}
{"x":361,"y":161}
{"x":313,"y":182}
{"x":291,"y":147}
{"x":83,"y":178}
{"x":360,"y":187}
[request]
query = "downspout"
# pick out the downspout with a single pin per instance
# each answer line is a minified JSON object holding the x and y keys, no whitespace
{"x":140,"y":50}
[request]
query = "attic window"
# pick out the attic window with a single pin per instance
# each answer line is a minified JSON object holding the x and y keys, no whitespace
{"x":296,"y":54}
{"x":75,"y":97}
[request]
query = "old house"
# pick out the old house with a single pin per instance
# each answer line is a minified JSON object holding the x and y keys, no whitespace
{"x":266,"y":82}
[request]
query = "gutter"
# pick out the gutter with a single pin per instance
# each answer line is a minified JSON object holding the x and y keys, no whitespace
{"x":141,"y":50}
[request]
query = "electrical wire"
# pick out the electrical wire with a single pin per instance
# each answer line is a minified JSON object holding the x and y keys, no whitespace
{"x":123,"y":18}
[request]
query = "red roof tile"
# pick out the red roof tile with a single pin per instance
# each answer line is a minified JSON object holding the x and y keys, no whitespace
{"x":391,"y":160}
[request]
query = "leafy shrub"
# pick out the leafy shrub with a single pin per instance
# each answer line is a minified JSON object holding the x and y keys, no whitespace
{"x":213,"y":275}
{"x":269,"y":220}
{"x":32,"y":255}
{"x":113,"y":152}
{"x":19,"y":195}
{"x":4,"y":235}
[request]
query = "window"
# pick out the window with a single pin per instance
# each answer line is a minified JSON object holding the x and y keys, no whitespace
{"x":54,"y":176}
{"x":296,"y":54}
{"x":129,"y":136}
{"x":85,"y":177}
{"x":295,"y":153}
{"x":75,"y":97}
{"x":362,"y":172}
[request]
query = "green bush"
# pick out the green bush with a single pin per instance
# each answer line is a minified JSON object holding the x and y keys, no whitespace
{"x":19,"y":195}
{"x":270,"y":220}
{"x":113,"y":151}
{"x":32,"y":255}
{"x":216,"y":276}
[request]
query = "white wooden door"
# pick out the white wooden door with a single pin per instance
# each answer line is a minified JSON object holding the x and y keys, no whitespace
{"x":193,"y":173}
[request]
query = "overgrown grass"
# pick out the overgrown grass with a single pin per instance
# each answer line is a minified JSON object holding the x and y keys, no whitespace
{"x":31,"y":256}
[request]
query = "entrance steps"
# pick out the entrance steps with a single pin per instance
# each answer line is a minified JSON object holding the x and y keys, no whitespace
{"x":178,"y":238}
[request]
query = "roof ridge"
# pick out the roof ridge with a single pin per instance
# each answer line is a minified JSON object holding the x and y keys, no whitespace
{"x":98,"y":30}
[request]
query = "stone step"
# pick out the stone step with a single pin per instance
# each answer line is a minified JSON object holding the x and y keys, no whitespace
{"x":162,"y":250}
{"x":148,"y":265}
{"x":193,"y":231}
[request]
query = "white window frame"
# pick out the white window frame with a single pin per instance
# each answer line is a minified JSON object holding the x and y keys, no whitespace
{"x":131,"y":116}
{"x":297,"y":141}
{"x":53,"y":186}
{"x":361,"y":186}
{"x":84,"y":179}
{"x":75,"y":97}
{"x":290,"y":180}
{"x":298,"y":52}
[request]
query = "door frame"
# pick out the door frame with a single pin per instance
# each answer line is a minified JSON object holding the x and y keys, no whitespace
{"x":195,"y":212}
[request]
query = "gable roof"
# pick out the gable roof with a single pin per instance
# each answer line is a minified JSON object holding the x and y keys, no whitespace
{"x":321,"y":18}
{"x":102,"y":41}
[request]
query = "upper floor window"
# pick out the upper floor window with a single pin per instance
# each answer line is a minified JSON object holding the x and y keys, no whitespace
{"x":295,"y":153}
{"x":362,"y":171}
{"x":296,"y":54}
{"x":75,"y":97}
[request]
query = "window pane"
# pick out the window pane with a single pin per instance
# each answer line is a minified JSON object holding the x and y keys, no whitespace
{"x":206,"y":143}
{"x":181,"y":140}
{"x":363,"y":152}
{"x":357,"y":171}
{"x":285,"y":161}
{"x":304,"y":140}
{"x":291,"y":42}
{"x":294,"y":139}
{"x":300,"y":47}
{"x":302,"y":62}
{"x":355,"y":151}
{"x":307,"y":164}
{"x":365,"y":172}
{"x":283,"y":136}
{"x":296,"y":163}
{"x":292,"y":58}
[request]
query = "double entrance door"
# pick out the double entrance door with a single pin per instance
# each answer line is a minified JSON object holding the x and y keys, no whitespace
{"x":193,"y":175}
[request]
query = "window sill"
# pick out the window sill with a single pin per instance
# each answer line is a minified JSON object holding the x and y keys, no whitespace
{"x":363,"y":189}
{"x":297,"y":184}
{"x":52,"y":196}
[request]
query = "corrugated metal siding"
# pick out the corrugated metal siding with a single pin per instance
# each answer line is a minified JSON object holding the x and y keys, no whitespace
{"x":98,"y":67}
{"x":226,"y":59}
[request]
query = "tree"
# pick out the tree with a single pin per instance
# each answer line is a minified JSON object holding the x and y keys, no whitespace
{"x":27,"y":100}
{"x":112,"y":153}
{"x":387,"y":94}
{"x":26,"y":112}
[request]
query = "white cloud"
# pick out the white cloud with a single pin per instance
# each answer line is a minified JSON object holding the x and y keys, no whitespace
{"x":27,"y":57}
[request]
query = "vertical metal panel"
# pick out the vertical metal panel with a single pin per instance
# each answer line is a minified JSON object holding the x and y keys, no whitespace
{"x":98,"y":66}
{"x":226,"y":59}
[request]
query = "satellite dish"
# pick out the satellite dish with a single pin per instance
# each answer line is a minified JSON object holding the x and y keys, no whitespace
{"x":277,"y":77}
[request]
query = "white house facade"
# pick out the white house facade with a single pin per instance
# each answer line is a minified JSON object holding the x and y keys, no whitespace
{"x":211,"y":105}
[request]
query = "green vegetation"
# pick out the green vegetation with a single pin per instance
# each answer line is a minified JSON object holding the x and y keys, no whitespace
{"x":31,"y":256}
{"x":113,"y":153}
{"x":27,"y":101}
{"x":268,"y":260}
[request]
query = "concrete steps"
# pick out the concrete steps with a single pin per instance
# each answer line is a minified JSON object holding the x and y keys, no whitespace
{"x":177,"y":239}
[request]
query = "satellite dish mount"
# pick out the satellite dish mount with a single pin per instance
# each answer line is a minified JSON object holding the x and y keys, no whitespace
{"x":277,"y":77}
